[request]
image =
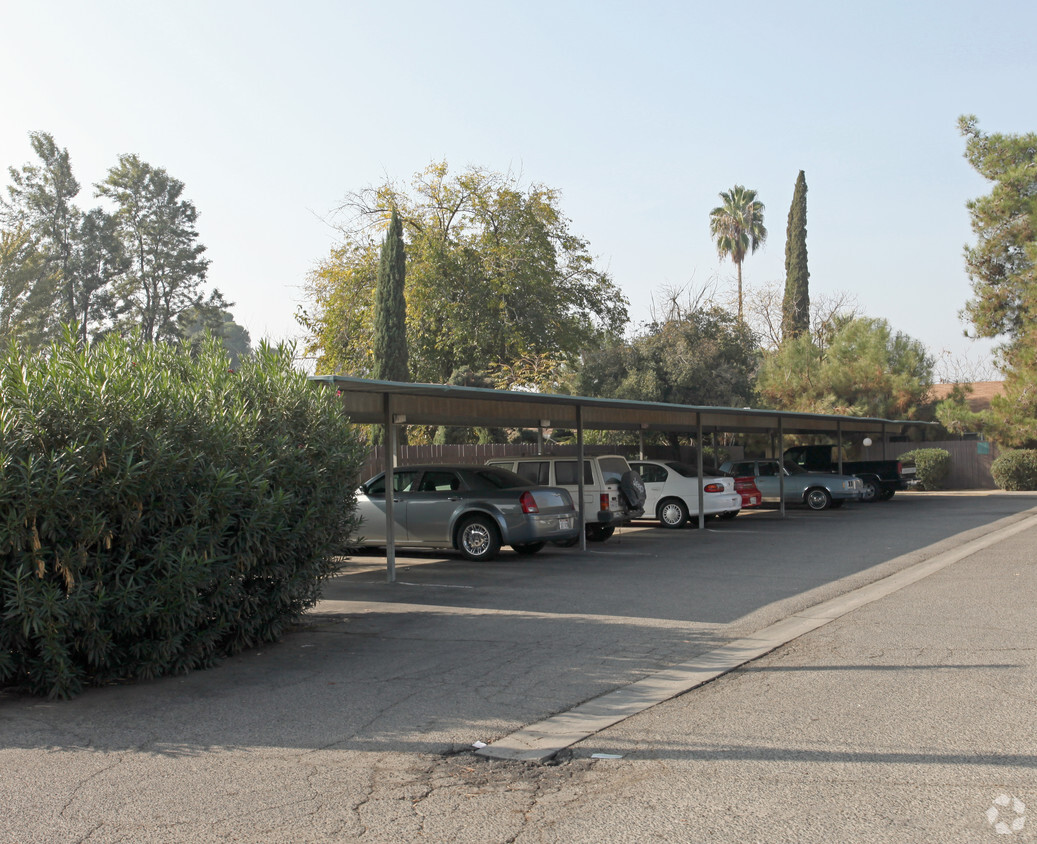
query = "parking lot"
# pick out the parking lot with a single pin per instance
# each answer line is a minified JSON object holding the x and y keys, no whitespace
{"x":302,"y":740}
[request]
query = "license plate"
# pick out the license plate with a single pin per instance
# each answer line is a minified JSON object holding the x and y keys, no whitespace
{"x":565,"y":524}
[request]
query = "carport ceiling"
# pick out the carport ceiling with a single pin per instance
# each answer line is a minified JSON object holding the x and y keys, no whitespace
{"x":368,"y":401}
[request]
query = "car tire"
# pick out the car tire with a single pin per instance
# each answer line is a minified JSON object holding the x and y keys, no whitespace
{"x":818,"y":499}
{"x":477,"y":539}
{"x":672,"y":513}
{"x":599,"y":533}
{"x":871,"y":492}
{"x":528,"y":549}
{"x":633,"y":488}
{"x":887,"y":494}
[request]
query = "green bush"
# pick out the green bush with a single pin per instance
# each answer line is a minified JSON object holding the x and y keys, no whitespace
{"x":160,"y":510}
{"x":932,"y":465}
{"x":1015,"y":469}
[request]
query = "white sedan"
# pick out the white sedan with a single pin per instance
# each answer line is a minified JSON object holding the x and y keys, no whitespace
{"x":672,"y":492}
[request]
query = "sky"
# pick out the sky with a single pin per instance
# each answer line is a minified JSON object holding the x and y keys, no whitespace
{"x":638,"y":113}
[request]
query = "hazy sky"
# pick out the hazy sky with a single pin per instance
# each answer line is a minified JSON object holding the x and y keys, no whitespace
{"x":639,"y":113}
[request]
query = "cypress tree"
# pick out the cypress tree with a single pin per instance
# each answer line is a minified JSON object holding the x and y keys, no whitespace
{"x":390,"y":308}
{"x":795,"y":310}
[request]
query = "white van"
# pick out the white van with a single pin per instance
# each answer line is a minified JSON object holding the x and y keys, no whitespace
{"x":613,"y":493}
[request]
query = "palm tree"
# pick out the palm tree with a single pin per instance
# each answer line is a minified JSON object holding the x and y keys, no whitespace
{"x":737,"y":227}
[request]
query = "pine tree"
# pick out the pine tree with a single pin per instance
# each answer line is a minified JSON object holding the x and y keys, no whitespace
{"x":390,"y":308}
{"x":795,"y":311}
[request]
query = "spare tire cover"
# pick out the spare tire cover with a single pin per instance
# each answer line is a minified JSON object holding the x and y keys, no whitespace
{"x":633,"y":489}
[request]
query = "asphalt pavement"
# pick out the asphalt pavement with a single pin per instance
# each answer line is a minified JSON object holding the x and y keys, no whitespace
{"x":905,"y":718}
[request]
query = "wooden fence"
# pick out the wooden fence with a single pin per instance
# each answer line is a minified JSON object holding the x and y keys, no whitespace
{"x":970,"y":460}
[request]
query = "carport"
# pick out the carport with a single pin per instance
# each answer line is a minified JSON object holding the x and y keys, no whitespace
{"x":395,"y":403}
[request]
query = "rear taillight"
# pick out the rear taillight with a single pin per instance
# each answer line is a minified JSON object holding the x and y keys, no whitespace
{"x":603,"y":504}
{"x":713,"y":488}
{"x":900,"y":468}
{"x":528,"y":503}
{"x":744,"y":483}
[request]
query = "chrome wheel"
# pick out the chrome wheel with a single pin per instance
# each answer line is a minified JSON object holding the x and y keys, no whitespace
{"x":477,"y":539}
{"x":818,"y":499}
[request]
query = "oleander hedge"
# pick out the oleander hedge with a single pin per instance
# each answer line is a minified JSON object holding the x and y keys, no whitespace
{"x":932,"y":466}
{"x":160,"y":510}
{"x":1015,"y":469}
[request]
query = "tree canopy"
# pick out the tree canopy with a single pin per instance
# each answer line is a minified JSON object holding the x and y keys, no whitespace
{"x":705,"y":356}
{"x":136,"y":264}
{"x":1002,"y":266}
{"x":866,"y":369}
{"x":494,"y":277}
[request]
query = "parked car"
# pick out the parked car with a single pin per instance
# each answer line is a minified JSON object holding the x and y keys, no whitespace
{"x":613,"y":493}
{"x":882,"y":478}
{"x":475,"y":509}
{"x":745,"y":486}
{"x":818,"y":490}
{"x":672,"y":492}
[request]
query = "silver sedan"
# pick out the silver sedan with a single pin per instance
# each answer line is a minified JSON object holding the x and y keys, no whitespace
{"x":818,"y":490}
{"x":475,"y":509}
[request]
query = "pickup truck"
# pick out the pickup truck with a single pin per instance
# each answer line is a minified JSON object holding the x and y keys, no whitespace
{"x":882,"y":478}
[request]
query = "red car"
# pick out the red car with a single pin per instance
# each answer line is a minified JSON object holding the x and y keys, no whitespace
{"x":746,"y":487}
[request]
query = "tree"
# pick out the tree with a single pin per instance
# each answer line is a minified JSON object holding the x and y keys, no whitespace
{"x":41,"y":204}
{"x":158,"y":226}
{"x":196,"y":324}
{"x":737,"y":227}
{"x":390,"y":307}
{"x":795,"y":315}
{"x":702,"y":357}
{"x":1003,"y":269}
{"x":99,"y":261}
{"x":493,"y":276}
{"x":20,"y":266}
{"x":867,"y":369}
{"x":339,"y":316}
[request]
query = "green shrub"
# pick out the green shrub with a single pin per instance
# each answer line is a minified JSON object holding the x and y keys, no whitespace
{"x":932,"y":465}
{"x":160,"y":510}
{"x":1015,"y":469}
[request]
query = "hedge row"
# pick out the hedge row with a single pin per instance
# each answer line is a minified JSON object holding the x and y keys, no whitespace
{"x":160,"y":510}
{"x":932,"y":465}
{"x":1016,"y":469}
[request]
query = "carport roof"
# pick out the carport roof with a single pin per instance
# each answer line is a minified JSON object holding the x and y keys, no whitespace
{"x":368,"y":401}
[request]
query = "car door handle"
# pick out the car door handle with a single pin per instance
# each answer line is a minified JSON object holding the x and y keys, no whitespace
{"x":453,"y":498}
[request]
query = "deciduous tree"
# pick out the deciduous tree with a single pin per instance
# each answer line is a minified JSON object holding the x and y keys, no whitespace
{"x":41,"y":204}
{"x":158,"y":225}
{"x":494,"y":276}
